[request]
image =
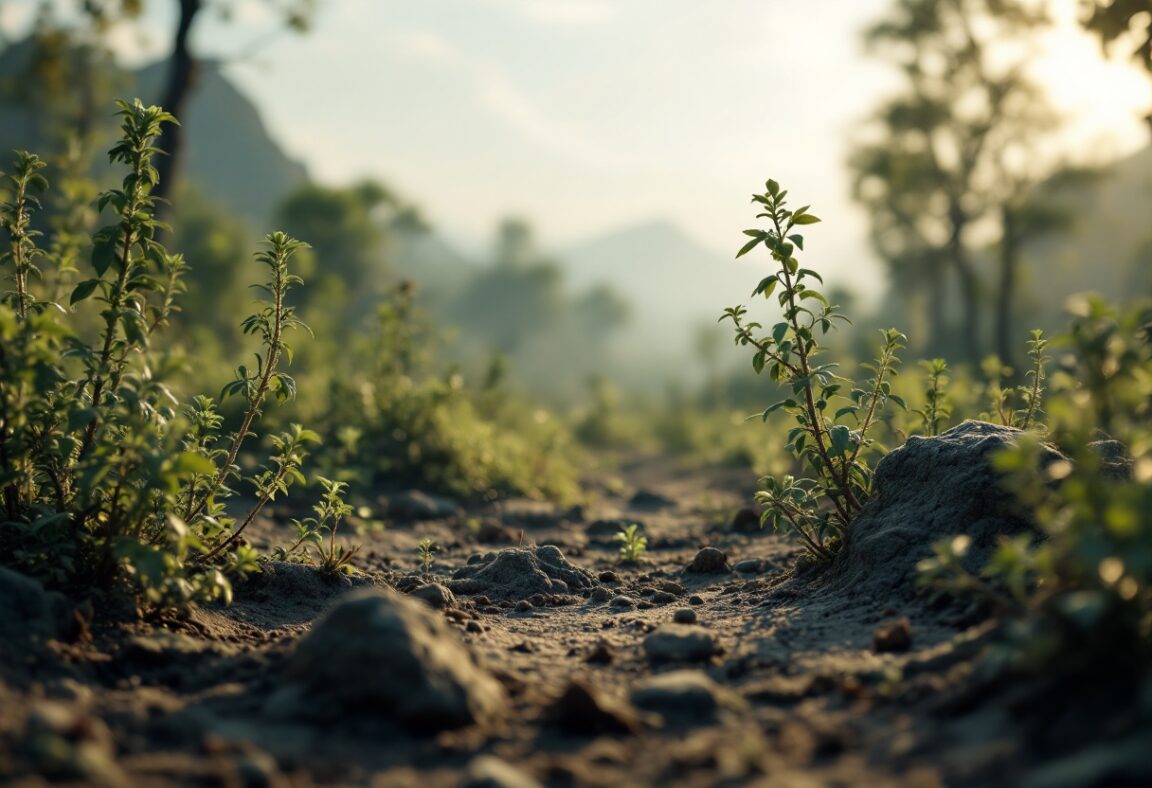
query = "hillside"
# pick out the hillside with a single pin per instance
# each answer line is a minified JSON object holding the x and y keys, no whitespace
{"x":675,"y":284}
{"x":231,"y":157}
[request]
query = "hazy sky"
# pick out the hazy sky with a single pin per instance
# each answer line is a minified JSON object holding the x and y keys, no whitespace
{"x":586,"y":115}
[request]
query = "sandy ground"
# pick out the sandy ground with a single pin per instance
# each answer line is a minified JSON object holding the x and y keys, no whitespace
{"x":792,"y":687}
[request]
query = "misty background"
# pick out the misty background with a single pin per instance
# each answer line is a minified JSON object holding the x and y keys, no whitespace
{"x":566,"y":181}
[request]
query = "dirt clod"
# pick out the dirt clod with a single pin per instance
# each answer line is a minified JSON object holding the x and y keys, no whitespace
{"x":518,"y":573}
{"x":892,"y":636}
{"x":680,"y":643}
{"x":709,"y":561}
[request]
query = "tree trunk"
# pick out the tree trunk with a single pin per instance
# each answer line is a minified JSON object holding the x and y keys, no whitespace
{"x":969,"y":285}
{"x":1006,"y":294}
{"x":181,"y":80}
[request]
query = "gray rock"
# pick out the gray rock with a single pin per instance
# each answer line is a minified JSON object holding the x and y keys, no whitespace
{"x":622,"y":602}
{"x":518,"y":573}
{"x":416,"y":505}
{"x":683,"y":696}
{"x":927,"y":490}
{"x":488,"y":771}
{"x":435,"y":595}
{"x":600,"y":594}
{"x":27,"y":610}
{"x":684,"y":615}
{"x":709,"y":561}
{"x":650,"y":500}
{"x":377,"y":652}
{"x":750,"y":566}
{"x":680,"y":643}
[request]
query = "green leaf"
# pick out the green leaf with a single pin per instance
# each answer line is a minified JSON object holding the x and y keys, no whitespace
{"x":804,"y":218}
{"x":83,"y":290}
{"x":189,"y":463}
{"x":81,"y":417}
{"x":103,"y":252}
{"x":748,"y":247}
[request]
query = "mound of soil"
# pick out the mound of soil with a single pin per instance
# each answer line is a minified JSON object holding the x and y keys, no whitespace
{"x":927,"y":490}
{"x":517,"y":573}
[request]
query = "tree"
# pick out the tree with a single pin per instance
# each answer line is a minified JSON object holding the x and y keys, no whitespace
{"x":1112,"y":20}
{"x":946,"y":156}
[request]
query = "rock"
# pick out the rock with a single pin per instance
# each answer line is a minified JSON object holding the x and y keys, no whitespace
{"x":680,"y":643}
{"x":927,"y":490}
{"x":663,"y":598}
{"x":749,"y":566}
{"x":671,"y":587}
{"x":523,"y":606}
{"x":684,"y":615}
{"x":518,"y":573}
{"x":416,"y":505}
{"x":67,"y":744}
{"x":683,"y":697}
{"x":608,"y":577}
{"x":892,"y":636}
{"x":622,"y":601}
{"x":601,"y":654}
{"x":583,"y":711}
{"x":435,"y":595}
{"x":695,"y":599}
{"x":490,"y":531}
{"x":1115,"y":461}
{"x":380,"y":653}
{"x":600,"y":594}
{"x":29,"y":611}
{"x":709,"y":561}
{"x":745,"y":521}
{"x":488,"y":771}
{"x":606,"y":530}
{"x":650,"y":501}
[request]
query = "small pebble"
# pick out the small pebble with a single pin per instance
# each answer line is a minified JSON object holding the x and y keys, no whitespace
{"x":663,"y":598}
{"x":523,"y":606}
{"x":609,"y":577}
{"x":695,"y":599}
{"x":622,"y":602}
{"x":684,"y":615}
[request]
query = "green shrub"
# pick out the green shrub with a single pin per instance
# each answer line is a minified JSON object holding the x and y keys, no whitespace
{"x":110,"y":479}
{"x":818,"y":508}
{"x":1082,"y":594}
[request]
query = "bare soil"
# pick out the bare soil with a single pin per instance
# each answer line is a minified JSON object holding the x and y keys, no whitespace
{"x":804,"y":685}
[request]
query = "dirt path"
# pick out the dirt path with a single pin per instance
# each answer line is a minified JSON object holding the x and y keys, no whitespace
{"x":651,"y":674}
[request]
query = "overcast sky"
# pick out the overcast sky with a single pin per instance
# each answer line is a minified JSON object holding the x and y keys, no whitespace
{"x":587,"y":115}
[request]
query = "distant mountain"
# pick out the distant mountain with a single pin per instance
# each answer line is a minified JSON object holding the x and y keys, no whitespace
{"x":231,"y":157}
{"x":675,"y":284}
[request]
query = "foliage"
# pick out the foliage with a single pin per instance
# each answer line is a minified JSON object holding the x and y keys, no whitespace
{"x":1027,"y":398}
{"x":937,"y":410}
{"x":817,"y":508}
{"x":1083,"y":593}
{"x":311,"y":532}
{"x":633,"y":544}
{"x":418,"y":426}
{"x":426,"y":550}
{"x":1112,"y":20}
{"x":953,"y":157}
{"x":110,"y":481}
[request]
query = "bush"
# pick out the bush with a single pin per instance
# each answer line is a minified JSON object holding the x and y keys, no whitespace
{"x":110,"y":479}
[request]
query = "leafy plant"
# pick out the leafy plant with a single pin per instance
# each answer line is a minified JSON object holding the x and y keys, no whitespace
{"x":311,"y":531}
{"x":1021,"y":406}
{"x":427,"y":550}
{"x":1083,"y":593}
{"x":937,"y":410}
{"x":109,"y":481}
{"x":633,"y":544}
{"x":820,"y":507}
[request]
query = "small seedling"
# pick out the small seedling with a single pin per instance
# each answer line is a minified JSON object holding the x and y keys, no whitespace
{"x":427,"y":550}
{"x":633,"y":544}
